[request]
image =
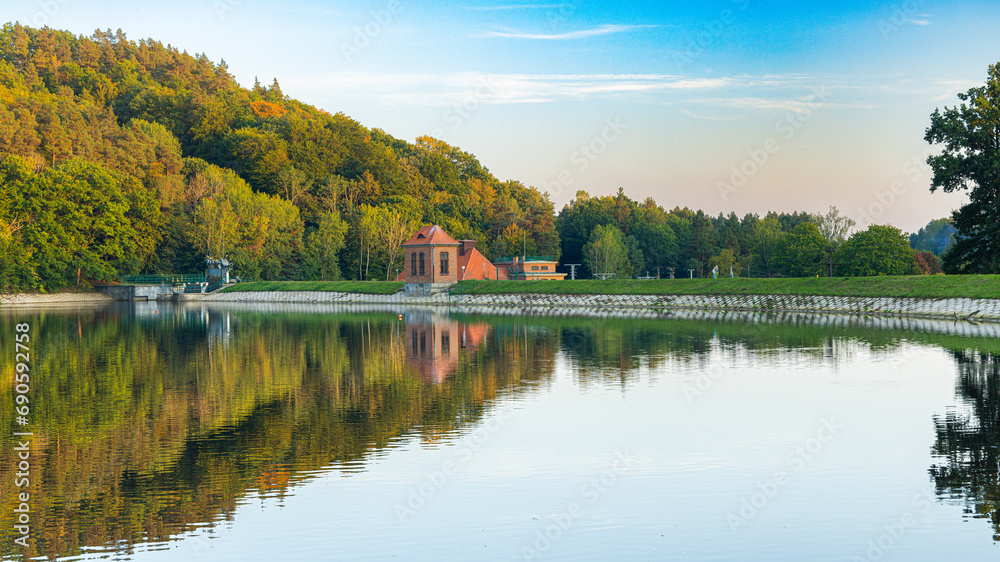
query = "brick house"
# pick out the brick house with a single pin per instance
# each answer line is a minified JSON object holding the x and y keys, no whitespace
{"x":433,"y":261}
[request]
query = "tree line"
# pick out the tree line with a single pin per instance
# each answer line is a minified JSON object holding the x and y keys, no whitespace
{"x":620,"y":236}
{"x":120,"y":157}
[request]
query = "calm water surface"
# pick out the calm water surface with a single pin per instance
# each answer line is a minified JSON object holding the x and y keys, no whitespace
{"x":306,"y":432}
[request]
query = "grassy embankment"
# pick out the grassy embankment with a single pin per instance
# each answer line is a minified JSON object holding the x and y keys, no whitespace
{"x":930,"y":286}
{"x":924,"y":286}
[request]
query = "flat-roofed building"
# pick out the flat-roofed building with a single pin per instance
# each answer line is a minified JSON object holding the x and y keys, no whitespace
{"x":529,"y":268}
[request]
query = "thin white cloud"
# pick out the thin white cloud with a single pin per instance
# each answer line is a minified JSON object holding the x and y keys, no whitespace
{"x":470,"y":87}
{"x":952,"y":88}
{"x":801,"y":104}
{"x":706,"y":117}
{"x":598,"y":31}
{"x":721,"y":98}
{"x":509,"y":7}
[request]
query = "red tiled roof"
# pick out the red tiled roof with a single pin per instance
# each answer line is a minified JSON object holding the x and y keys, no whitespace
{"x":431,"y":234}
{"x":476,"y":266}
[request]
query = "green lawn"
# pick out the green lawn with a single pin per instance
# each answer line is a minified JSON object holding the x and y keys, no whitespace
{"x":369,"y":287}
{"x":926,"y":286}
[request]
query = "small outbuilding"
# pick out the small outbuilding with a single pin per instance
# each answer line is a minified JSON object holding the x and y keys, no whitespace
{"x":530,"y":268}
{"x":217,"y":270}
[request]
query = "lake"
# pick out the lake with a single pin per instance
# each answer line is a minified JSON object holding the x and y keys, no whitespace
{"x":294,"y":432}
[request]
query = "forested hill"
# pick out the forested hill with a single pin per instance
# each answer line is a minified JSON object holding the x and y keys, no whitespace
{"x":121,"y":157}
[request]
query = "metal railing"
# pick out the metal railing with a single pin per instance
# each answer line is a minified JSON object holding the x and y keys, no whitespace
{"x":195,"y":287}
{"x":506,"y":259}
{"x":162,"y":279}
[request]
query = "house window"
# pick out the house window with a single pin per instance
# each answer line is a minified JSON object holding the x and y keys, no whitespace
{"x":534,"y":268}
{"x":444,"y":263}
{"x":545,"y":268}
{"x":421,"y":264}
{"x":413,"y":264}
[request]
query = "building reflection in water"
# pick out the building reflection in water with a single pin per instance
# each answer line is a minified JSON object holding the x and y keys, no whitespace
{"x":436,"y":343}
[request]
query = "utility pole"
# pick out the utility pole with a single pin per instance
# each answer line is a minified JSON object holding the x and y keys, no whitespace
{"x":829,"y":262}
{"x":691,"y":273}
{"x":572,"y":270}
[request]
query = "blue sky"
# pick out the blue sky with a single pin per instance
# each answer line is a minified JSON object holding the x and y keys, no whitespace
{"x":729,"y":105}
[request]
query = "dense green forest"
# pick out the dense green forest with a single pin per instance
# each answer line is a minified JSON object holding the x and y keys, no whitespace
{"x":121,"y":157}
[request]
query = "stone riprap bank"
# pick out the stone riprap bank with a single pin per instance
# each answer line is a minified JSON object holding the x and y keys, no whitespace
{"x":68,"y":299}
{"x":954,"y":308}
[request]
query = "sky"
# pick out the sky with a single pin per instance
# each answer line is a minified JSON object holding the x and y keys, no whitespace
{"x":738,"y":106}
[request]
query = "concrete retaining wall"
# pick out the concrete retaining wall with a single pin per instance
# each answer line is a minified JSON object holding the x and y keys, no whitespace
{"x":972,"y":309}
{"x":25,"y":299}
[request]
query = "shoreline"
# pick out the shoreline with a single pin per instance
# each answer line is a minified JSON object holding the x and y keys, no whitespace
{"x":966,"y":309}
{"x":981,"y":310}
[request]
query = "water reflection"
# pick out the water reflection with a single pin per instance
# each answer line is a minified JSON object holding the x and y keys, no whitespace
{"x":968,"y":437}
{"x":153,"y":420}
{"x":438,"y":343}
{"x":150,"y":421}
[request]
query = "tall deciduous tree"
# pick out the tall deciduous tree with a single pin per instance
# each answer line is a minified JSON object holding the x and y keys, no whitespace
{"x":833,"y":226}
{"x":799,"y":252}
{"x":606,"y":251}
{"x":970,"y":161}
{"x":766,"y":234}
{"x":879,"y":250}
{"x":321,"y":248}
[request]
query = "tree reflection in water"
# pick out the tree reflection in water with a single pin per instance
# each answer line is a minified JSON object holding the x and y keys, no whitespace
{"x":968,"y":437}
{"x":149,"y":423}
